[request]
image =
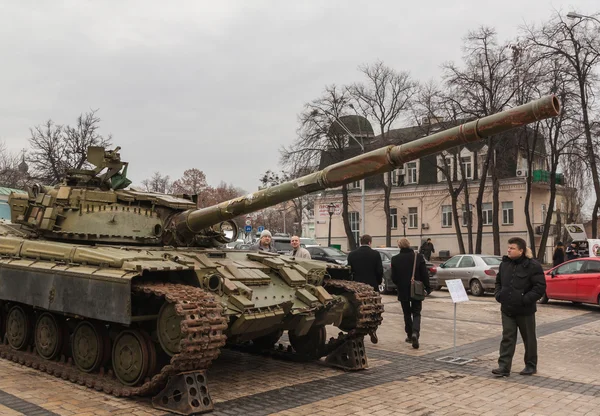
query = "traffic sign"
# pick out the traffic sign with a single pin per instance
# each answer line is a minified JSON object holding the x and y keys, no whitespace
{"x":248,"y":222}
{"x":248,"y":228}
{"x":261,"y":228}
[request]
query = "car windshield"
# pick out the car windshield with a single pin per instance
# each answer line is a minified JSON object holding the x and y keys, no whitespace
{"x":492,"y":261}
{"x":334,"y":252}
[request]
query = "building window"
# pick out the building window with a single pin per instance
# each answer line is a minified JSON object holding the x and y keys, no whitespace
{"x":411,"y":172}
{"x":562,"y":206}
{"x":466,"y":213}
{"x":394,"y":217}
{"x":355,"y":185}
{"x":507,"y":213}
{"x":354,"y":225}
{"x":445,"y":168}
{"x":396,"y":177}
{"x":413,"y":218}
{"x":446,"y":215}
{"x":467,"y":166}
{"x":487,"y":214}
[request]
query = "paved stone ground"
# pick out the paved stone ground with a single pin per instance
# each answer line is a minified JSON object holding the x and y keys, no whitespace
{"x":400,"y":380}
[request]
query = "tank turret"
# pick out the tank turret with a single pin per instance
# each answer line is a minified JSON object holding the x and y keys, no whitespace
{"x":93,"y":206}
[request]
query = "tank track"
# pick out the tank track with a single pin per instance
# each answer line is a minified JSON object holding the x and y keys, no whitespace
{"x":369,"y":309}
{"x":202,"y":326}
{"x":367,"y":304}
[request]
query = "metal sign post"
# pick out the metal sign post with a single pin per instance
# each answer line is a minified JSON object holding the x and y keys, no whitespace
{"x":458,"y":294}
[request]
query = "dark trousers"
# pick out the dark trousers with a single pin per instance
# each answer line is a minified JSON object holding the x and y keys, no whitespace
{"x":526,"y":326}
{"x":412,"y":316}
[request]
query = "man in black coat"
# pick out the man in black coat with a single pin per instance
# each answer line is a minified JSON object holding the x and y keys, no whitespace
{"x":402,"y":267}
{"x":427,"y":248}
{"x":365,"y":263}
{"x":520,"y":283}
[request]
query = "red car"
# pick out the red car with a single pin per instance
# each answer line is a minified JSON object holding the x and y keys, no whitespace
{"x":576,"y":280}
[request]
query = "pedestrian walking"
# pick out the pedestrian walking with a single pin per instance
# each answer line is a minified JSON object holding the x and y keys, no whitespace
{"x":366,"y":267}
{"x":559,"y":254}
{"x":365,"y":263}
{"x":520,"y":283}
{"x":407,"y":265}
{"x":427,"y":248}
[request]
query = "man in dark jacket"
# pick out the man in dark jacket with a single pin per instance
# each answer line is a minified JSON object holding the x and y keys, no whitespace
{"x":427,"y":248}
{"x":520,"y":283}
{"x":572,"y":251}
{"x":402,"y":267}
{"x":365,"y":263}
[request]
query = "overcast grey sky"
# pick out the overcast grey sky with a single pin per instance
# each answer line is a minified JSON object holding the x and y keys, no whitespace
{"x":217,"y":85}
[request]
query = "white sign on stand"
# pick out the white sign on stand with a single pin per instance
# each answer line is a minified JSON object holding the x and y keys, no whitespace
{"x":457,"y":290}
{"x":458,"y":294}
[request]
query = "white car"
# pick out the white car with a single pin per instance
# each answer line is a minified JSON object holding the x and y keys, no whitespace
{"x":477,"y":271}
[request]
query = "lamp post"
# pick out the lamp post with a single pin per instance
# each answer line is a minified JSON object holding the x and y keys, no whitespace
{"x":362,"y":149}
{"x":574,"y":15}
{"x":403,"y":220}
{"x":330,"y":211}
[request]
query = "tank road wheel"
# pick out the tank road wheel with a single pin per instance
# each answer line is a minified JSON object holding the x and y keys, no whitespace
{"x":90,"y":345}
{"x":18,"y":327}
{"x":168,"y":328}
{"x":312,"y":344}
{"x":49,"y":336}
{"x":130,"y":357}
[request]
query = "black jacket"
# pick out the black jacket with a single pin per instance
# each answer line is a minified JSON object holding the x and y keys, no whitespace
{"x":402,"y":265}
{"x":519,"y":285}
{"x":558,"y":257}
{"x":427,"y":248}
{"x":366,"y":266}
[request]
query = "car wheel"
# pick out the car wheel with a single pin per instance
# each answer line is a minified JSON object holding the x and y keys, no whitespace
{"x":476,"y":288}
{"x":544,"y":299}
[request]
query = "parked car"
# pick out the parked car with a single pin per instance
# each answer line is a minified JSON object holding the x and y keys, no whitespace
{"x":282,"y":243}
{"x":576,"y":280}
{"x":308,"y":242}
{"x":477,"y":271}
{"x":242,"y":246}
{"x":387,"y":285}
{"x":328,"y":254}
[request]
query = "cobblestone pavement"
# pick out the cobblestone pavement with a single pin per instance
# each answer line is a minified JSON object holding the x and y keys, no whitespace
{"x":400,"y":380}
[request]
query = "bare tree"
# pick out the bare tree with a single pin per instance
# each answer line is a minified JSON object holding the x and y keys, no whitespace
{"x":383,"y":97}
{"x":317,"y":139}
{"x":56,"y":148}
{"x":13,"y":169}
{"x":578,"y":45}
{"x":193,"y":182}
{"x":483,"y":87}
{"x":157,"y":183}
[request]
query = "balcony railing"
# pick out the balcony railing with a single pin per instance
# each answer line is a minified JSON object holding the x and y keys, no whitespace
{"x":544,"y":176}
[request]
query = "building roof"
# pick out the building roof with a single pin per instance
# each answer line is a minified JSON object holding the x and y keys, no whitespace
{"x":7,"y":191}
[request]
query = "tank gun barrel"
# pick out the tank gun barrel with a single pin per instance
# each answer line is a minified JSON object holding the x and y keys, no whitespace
{"x":368,"y":164}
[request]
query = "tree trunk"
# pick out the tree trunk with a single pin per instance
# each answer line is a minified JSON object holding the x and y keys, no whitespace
{"x":469,"y":217}
{"x":479,"y":200}
{"x":387,"y":191}
{"x":495,"y":209}
{"x":550,"y":211}
{"x":590,"y":149}
{"x":595,"y":219}
{"x":346,"y":219}
{"x":459,"y":237}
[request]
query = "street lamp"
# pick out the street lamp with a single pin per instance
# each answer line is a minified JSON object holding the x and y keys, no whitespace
{"x":330,"y":211}
{"x":403,"y":220}
{"x":574,"y":15}
{"x":362,"y":149}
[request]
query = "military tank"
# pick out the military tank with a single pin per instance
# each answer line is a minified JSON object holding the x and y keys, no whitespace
{"x":128,"y":292}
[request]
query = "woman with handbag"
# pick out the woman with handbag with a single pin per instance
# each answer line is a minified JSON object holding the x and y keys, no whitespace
{"x":409,"y":273}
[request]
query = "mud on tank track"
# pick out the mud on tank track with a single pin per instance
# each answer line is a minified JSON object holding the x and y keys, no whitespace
{"x":202,"y":327}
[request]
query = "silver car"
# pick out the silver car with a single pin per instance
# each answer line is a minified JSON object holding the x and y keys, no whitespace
{"x":477,"y":271}
{"x":387,"y":286}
